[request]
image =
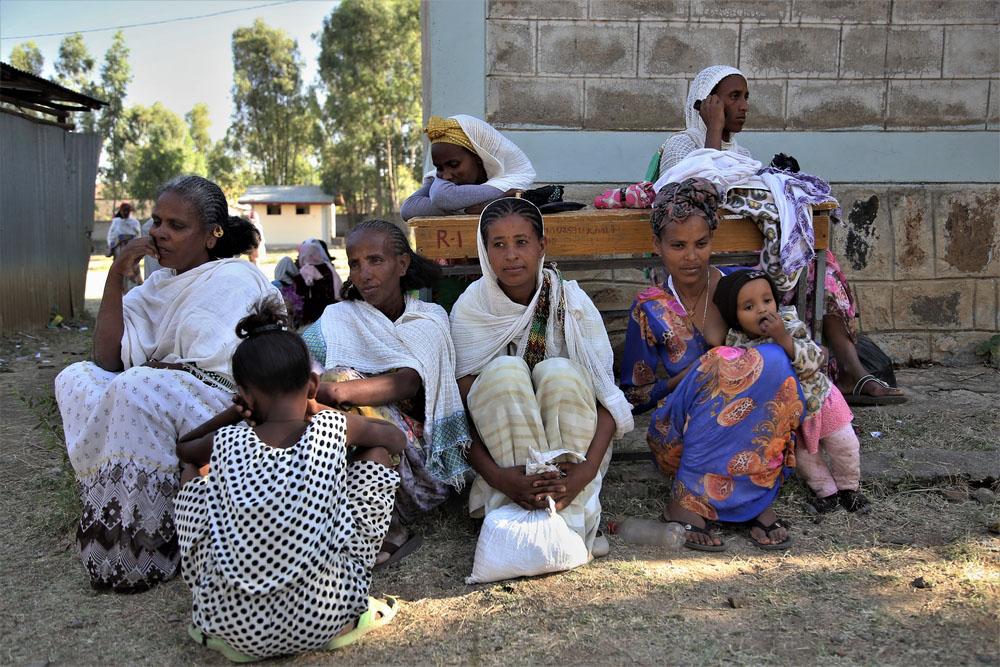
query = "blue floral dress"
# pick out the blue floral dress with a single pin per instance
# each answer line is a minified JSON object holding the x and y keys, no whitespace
{"x":726,"y":431}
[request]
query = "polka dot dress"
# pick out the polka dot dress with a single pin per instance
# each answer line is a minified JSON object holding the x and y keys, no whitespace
{"x":277,"y":545}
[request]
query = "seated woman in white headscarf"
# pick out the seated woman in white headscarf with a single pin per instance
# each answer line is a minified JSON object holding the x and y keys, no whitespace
{"x":390,"y":356}
{"x":534,"y":367}
{"x":723,"y":95}
{"x":161,"y":367}
{"x":473,"y":165}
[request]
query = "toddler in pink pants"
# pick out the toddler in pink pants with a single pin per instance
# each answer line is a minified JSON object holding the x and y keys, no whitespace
{"x":747,"y":301}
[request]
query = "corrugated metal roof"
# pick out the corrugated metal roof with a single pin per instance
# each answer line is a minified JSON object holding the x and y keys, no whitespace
{"x":24,"y":90}
{"x":285,"y":194}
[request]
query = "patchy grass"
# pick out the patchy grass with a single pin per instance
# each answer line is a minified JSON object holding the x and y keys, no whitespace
{"x":843,"y":594}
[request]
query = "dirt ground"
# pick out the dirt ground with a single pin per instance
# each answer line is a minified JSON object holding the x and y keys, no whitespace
{"x":915,"y":582}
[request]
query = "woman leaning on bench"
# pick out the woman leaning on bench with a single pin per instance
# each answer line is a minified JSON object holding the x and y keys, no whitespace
{"x":723,"y":97}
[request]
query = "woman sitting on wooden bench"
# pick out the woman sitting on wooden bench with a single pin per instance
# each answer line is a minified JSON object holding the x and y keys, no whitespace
{"x":474,"y":165}
{"x":722,"y":97}
{"x":533,"y":363}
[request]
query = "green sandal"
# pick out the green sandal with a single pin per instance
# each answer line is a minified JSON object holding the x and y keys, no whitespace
{"x":217,"y":644}
{"x":370,"y":620}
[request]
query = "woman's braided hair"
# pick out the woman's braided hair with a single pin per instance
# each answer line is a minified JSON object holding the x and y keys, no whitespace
{"x":421,"y":273}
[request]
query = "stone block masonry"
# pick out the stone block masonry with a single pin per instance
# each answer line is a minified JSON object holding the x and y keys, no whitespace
{"x":923,"y":254}
{"x":868,"y":65}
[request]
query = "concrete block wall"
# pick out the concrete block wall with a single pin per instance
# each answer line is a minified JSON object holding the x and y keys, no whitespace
{"x":812,"y":64}
{"x":923,"y":258}
{"x":895,"y":102}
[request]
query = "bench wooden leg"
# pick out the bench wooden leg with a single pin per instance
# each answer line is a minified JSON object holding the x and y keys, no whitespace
{"x":820,"y":297}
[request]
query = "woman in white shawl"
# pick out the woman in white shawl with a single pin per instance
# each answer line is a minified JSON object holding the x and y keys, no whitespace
{"x":723,"y":97}
{"x":723,"y":102}
{"x":535,"y":369}
{"x":161,"y":367}
{"x":473,"y":165}
{"x":123,"y":228}
{"x":389,"y":355}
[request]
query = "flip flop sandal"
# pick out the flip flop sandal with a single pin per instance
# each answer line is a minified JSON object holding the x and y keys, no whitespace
{"x":370,"y":620}
{"x":398,"y":552}
{"x":691,"y":528}
{"x":781,"y":546}
{"x":219,"y":645}
{"x":858,"y":398}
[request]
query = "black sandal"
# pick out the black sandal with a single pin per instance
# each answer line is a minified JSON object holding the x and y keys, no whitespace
{"x":857,"y":398}
{"x":781,"y":546}
{"x":398,"y":552}
{"x":691,"y":528}
{"x":825,"y":504}
{"x":854,"y":501}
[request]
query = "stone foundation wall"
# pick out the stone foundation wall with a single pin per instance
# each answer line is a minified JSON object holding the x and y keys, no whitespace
{"x":924,"y":263}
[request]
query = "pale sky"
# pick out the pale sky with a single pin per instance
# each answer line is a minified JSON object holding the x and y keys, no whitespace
{"x":178,"y":64}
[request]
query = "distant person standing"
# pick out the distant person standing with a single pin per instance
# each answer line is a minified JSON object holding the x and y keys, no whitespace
{"x":149,"y":263}
{"x":124,"y":227}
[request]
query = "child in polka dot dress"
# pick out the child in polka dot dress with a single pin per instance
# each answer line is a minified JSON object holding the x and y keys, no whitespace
{"x":278,"y":523}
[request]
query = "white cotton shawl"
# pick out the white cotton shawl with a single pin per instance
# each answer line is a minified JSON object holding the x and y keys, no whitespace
{"x":507,"y":167}
{"x":191,"y":317}
{"x":484,"y":321}
{"x":359,"y":336}
{"x":724,"y":169}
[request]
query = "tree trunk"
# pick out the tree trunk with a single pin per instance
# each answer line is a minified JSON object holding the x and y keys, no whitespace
{"x":391,"y":173}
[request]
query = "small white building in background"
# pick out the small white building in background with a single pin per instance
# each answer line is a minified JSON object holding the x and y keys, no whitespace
{"x":290,"y":214}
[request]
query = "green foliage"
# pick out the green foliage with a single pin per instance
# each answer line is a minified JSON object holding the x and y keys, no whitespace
{"x":159,"y":148}
{"x":227,"y":170}
{"x":75,"y":70}
{"x":273,"y":121}
{"x":75,"y":65}
{"x":198,"y":123}
{"x":369,"y":65}
{"x":116,"y":74}
{"x":27,"y":57}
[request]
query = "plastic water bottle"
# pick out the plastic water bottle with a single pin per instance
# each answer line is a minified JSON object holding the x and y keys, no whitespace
{"x":644,"y":531}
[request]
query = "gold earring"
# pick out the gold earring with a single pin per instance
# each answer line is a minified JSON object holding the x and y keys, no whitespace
{"x":218,"y":232}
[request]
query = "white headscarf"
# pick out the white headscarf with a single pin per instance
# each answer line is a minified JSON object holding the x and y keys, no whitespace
{"x":484,"y":321}
{"x":507,"y":167}
{"x":701,"y":88}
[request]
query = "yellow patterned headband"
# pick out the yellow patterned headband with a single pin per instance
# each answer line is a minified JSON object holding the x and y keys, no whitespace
{"x":448,"y":131}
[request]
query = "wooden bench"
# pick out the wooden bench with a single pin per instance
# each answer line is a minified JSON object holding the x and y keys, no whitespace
{"x":621,"y":238}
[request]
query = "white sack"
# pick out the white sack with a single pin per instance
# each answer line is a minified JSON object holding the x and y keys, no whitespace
{"x":516,"y":542}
